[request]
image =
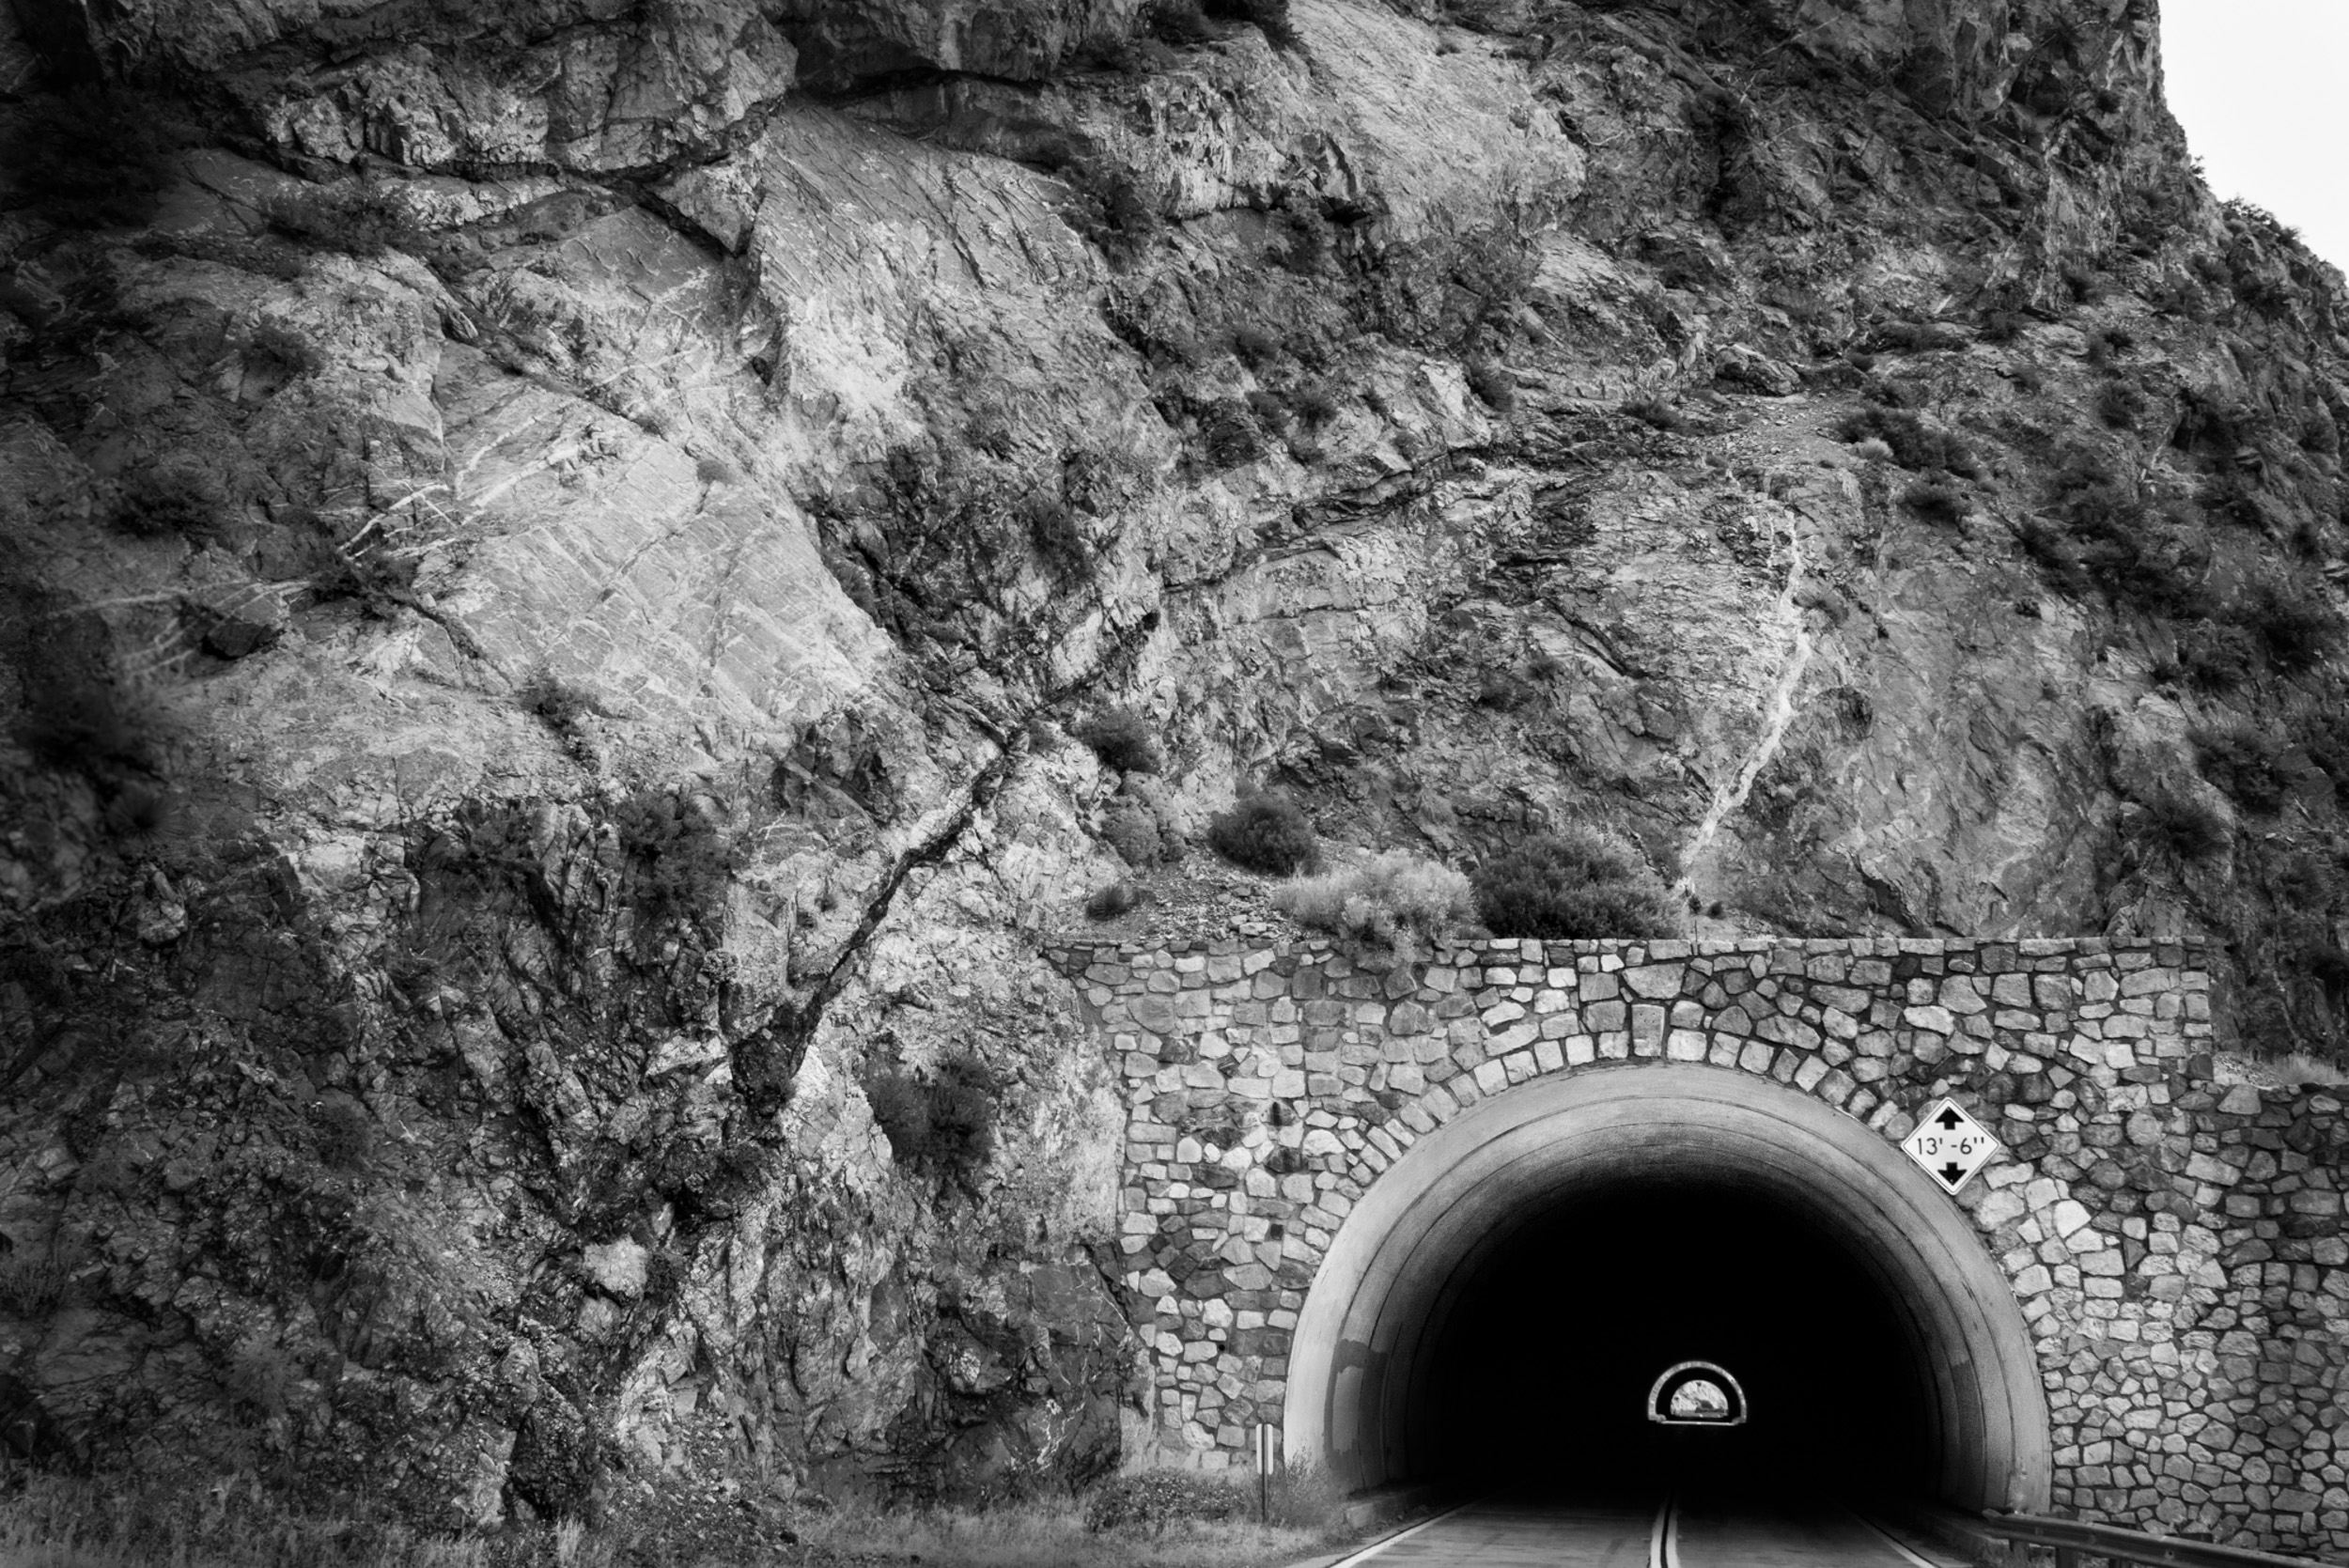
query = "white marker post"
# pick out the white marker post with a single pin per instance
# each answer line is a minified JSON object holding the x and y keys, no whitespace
{"x":1264,"y":1473}
{"x":1948,"y":1145}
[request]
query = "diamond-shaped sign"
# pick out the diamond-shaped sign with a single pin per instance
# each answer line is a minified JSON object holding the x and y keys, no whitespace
{"x":1948,"y":1145}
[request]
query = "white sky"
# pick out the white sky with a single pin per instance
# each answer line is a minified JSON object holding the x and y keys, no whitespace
{"x":2261,"y":87}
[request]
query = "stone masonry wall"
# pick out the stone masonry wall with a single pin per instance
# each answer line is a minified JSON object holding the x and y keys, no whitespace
{"x":2176,"y":1246}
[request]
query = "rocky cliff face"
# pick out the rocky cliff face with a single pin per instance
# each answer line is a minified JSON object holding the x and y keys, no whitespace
{"x":553,"y":551}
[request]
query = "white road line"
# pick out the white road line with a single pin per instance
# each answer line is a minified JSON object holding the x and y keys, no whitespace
{"x":1376,"y":1547}
{"x":1663,"y":1543}
{"x":1890,"y":1540}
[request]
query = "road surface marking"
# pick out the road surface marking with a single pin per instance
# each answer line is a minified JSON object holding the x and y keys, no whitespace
{"x":1376,"y":1547}
{"x":1890,"y":1540}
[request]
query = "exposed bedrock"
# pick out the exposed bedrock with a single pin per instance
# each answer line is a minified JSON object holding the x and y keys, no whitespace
{"x":554,"y":556}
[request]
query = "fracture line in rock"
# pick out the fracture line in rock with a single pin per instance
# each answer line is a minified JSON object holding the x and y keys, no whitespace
{"x":1780,"y":713}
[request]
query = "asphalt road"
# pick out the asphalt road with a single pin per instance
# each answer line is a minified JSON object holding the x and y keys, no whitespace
{"x":1694,"y":1532}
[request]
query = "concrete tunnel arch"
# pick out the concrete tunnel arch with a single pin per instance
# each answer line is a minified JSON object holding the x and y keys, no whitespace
{"x":1396,"y":1266}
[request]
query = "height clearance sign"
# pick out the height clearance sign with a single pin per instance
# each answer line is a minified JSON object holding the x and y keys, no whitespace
{"x":1948,"y":1145}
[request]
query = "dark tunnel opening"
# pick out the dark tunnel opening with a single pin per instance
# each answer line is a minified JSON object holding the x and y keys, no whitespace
{"x":1535,"y":1378}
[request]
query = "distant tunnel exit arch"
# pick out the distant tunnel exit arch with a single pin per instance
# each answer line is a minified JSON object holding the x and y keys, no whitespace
{"x":1395,"y":1269}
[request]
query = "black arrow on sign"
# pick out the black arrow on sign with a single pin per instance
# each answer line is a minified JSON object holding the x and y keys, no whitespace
{"x":1949,"y":1119}
{"x":1951,"y":1175}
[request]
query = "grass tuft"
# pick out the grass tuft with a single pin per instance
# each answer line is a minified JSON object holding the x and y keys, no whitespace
{"x":1111,"y":901}
{"x":2301,"y":1070}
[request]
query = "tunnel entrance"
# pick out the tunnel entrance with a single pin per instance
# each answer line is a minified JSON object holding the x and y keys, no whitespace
{"x":1500,"y":1304}
{"x":1542,"y":1374}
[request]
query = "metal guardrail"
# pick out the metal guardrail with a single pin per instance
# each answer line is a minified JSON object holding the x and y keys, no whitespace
{"x":2075,"y":1542}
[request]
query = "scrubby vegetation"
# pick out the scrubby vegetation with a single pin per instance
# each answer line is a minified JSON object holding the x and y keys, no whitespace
{"x":1132,"y":830}
{"x":1939,"y":504}
{"x":345,"y":1135}
{"x":943,"y":1125}
{"x":364,"y":219}
{"x":1913,"y":443}
{"x":173,"y":495}
{"x":1656,"y":414}
{"x":2174,"y":820}
{"x":1267,"y":833}
{"x":2244,"y":762}
{"x":679,"y":856}
{"x":1915,"y":337}
{"x":1156,"y":1497}
{"x":1121,"y":740}
{"x":1058,"y":533}
{"x":1578,"y":882}
{"x":1153,"y":1499}
{"x":566,"y":710}
{"x":1395,"y":902}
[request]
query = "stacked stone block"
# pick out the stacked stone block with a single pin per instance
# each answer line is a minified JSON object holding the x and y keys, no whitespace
{"x":2176,"y":1246}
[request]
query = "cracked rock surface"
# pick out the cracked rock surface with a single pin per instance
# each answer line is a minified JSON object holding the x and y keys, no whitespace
{"x":553,"y":556}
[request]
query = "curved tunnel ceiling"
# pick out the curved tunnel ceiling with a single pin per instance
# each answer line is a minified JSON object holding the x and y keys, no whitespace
{"x":1359,"y":1364}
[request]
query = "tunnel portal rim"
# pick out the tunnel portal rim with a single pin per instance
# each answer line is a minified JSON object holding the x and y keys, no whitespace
{"x":1595,"y":1126}
{"x":1678,"y":1375}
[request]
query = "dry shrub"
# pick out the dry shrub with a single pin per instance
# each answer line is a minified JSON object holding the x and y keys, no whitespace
{"x":1316,"y":405}
{"x":175,"y":494}
{"x":1503,"y":693}
{"x":2294,"y":624}
{"x":345,"y":1135}
{"x":363,"y":219}
{"x":1256,"y":346}
{"x":565,"y":706}
{"x":2245,"y":761}
{"x":1266,"y":832}
{"x":1121,"y":739}
{"x":1132,"y":830}
{"x":1060,"y":540}
{"x":1914,"y":444}
{"x":1178,"y":22}
{"x":1936,"y":503}
{"x":2120,"y":406}
{"x":2174,"y":820}
{"x":679,"y":854}
{"x":1915,"y":337}
{"x":2216,"y":657}
{"x":945,"y":1125}
{"x":86,"y":706}
{"x":1655,"y":413}
{"x":1395,"y":901}
{"x":1575,"y":883}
